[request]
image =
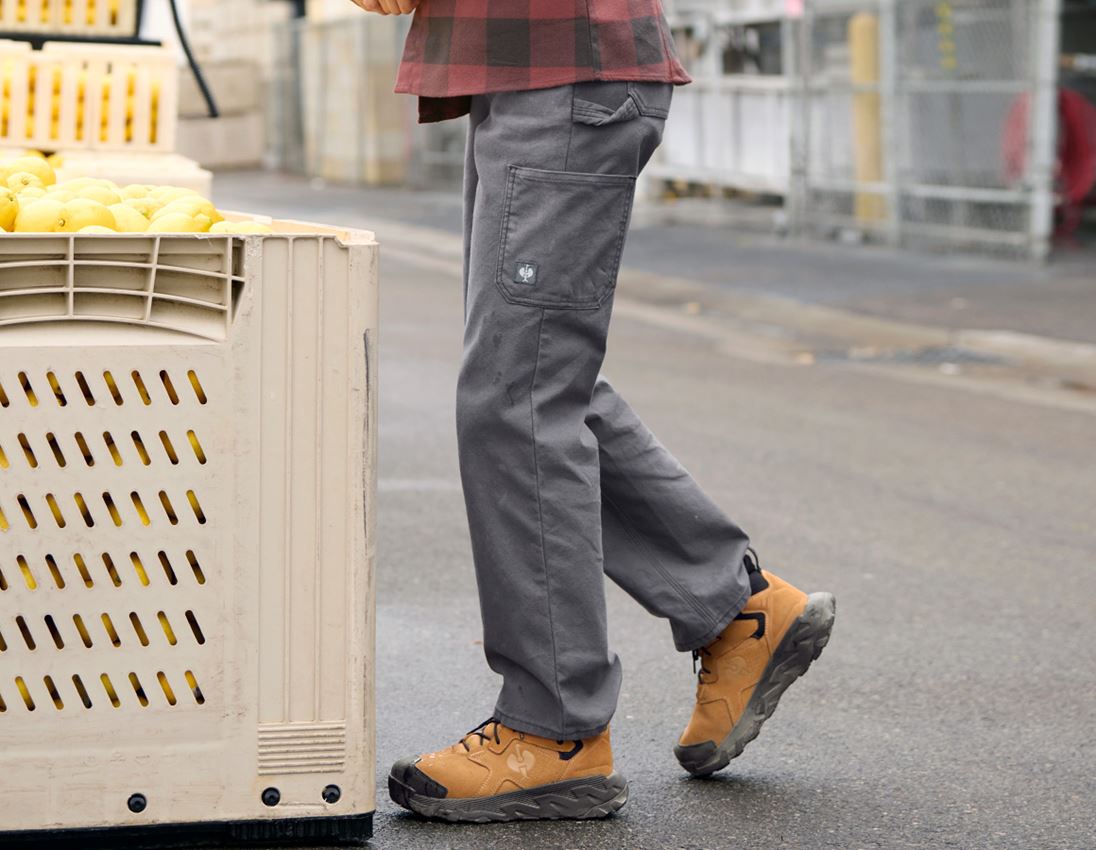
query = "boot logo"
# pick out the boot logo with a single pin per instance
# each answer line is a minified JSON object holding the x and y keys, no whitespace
{"x":521,"y":761}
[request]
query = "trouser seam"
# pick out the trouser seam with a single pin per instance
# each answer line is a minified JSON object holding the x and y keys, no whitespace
{"x":685,"y":595}
{"x":520,"y":725}
{"x":721,"y":623}
{"x":540,"y":516}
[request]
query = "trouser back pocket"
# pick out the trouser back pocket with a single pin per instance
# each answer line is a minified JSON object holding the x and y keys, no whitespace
{"x":562,"y":237}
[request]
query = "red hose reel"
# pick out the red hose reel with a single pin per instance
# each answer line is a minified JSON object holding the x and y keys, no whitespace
{"x":1075,"y":169}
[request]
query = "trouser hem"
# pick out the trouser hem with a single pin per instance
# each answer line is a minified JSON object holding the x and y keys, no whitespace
{"x":519,"y":725}
{"x":721,"y":623}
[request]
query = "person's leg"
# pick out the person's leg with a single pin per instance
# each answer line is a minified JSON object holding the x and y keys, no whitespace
{"x":556,"y":173}
{"x":665,"y":542}
{"x":548,"y":216}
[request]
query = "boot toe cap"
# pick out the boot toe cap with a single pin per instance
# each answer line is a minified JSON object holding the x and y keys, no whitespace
{"x":407,"y":773}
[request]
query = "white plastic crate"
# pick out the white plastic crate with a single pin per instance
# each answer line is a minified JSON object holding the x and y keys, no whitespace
{"x":187,"y":482}
{"x":70,"y":17}
{"x":88,"y":96}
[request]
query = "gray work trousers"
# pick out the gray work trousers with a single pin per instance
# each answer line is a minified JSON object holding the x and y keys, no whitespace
{"x":563,"y":483}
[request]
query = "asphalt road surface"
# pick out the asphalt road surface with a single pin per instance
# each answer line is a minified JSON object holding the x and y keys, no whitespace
{"x":955,"y":705}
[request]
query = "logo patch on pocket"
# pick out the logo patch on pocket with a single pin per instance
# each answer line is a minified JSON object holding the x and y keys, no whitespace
{"x":526,"y":273}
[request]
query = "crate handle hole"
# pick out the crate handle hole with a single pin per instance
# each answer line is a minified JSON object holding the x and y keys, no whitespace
{"x":169,"y":571}
{"x":85,"y":449}
{"x":28,"y":390}
{"x":55,"y":571}
{"x":58,"y":455}
{"x":55,"y":385}
{"x":138,"y":628}
{"x":85,"y":389}
{"x":81,"y":691}
{"x":113,"y":387}
{"x":169,"y":448}
{"x":28,"y":575}
{"x":85,"y":635}
{"x":169,"y":387}
{"x":112,"y":571}
{"x":28,"y":452}
{"x":192,"y":559}
{"x":142,"y":390}
{"x":199,"y":452}
{"x":139,"y":568}
{"x":165,"y":685}
{"x":82,"y":567}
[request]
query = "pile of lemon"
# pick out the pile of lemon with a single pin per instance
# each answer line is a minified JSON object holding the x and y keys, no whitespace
{"x":32,"y":201}
{"x":106,"y":86}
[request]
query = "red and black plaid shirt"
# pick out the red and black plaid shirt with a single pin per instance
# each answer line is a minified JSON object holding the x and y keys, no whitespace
{"x":458,"y":48}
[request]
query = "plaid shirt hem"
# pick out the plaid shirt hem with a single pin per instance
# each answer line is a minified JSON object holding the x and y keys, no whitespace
{"x":433,"y":109}
{"x":459,"y":48}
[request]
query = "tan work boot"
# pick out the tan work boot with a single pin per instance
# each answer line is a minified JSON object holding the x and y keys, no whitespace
{"x":497,"y":774}
{"x":746,"y":670}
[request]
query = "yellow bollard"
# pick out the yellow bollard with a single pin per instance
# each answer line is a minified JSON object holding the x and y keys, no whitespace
{"x":867,"y":129}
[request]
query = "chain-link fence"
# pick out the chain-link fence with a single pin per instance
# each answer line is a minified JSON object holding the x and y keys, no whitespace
{"x":927,"y":122}
{"x":910,"y":122}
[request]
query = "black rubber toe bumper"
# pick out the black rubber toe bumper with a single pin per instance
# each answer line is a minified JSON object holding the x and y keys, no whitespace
{"x":406,"y":779}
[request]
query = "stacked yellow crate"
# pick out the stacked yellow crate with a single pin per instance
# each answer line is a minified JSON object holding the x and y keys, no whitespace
{"x":112,"y":18}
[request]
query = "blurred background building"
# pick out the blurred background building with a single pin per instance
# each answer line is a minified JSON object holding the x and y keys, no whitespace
{"x":960,"y":125}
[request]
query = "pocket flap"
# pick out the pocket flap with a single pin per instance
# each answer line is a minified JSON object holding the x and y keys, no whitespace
{"x":598,"y":103}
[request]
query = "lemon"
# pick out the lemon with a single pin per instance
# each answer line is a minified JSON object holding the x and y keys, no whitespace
{"x":196,"y":205}
{"x":42,"y":216}
{"x":9,"y":209}
{"x":179,"y":222}
{"x":62,"y":195}
{"x":55,"y":160}
{"x":241,"y":227}
{"x":145,"y":206}
{"x":103,"y":194}
{"x":38,"y":167}
{"x":32,"y":193}
{"x":34,"y":153}
{"x":134,"y":190}
{"x":127,"y":219}
{"x":83,"y":212}
{"x":21,"y":180}
{"x":95,"y":228}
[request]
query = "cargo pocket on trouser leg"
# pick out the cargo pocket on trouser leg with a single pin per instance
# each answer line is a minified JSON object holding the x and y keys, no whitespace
{"x":562,"y":237}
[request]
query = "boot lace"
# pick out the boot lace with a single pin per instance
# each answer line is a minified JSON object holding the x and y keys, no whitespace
{"x":698,"y":656}
{"x":486,"y":731}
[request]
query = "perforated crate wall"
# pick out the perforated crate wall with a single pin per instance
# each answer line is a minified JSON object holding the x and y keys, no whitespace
{"x":70,"y":17}
{"x":186,"y":474}
{"x":88,"y":96}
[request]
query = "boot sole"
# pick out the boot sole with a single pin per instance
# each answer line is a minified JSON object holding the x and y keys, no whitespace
{"x":574,"y":799}
{"x":802,"y":644}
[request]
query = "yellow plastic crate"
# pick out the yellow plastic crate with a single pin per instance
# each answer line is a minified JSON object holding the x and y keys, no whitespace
{"x":187,"y":503}
{"x":70,"y":17}
{"x":88,"y":96}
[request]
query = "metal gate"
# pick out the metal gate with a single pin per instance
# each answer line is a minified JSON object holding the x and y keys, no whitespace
{"x":927,"y":122}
